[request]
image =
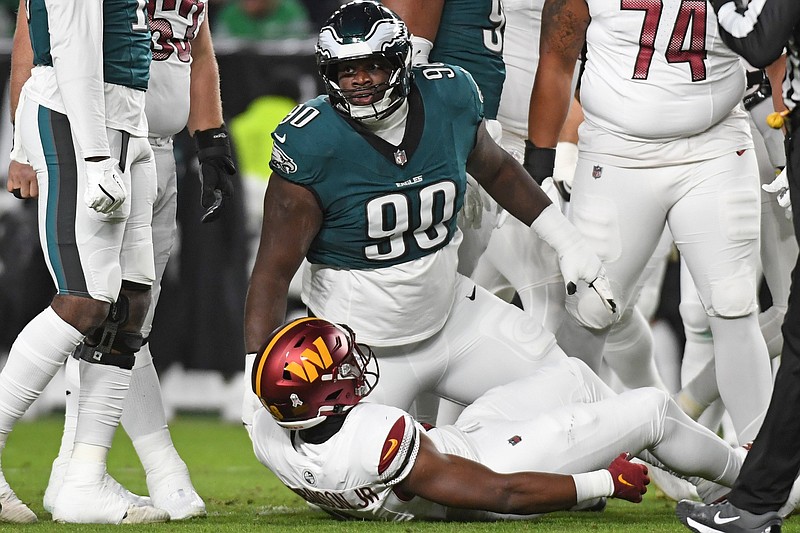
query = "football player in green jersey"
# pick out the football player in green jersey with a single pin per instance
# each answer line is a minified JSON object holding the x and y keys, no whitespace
{"x":366,"y":184}
{"x":80,"y":120}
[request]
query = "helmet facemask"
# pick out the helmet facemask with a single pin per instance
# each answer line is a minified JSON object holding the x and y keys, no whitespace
{"x":312,"y":369}
{"x":364,"y":30}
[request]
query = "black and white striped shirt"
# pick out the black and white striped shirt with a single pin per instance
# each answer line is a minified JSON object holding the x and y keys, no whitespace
{"x":760,"y":32}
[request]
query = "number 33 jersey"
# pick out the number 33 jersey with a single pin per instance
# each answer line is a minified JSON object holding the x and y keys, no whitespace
{"x":658,"y":72}
{"x":384,"y":261}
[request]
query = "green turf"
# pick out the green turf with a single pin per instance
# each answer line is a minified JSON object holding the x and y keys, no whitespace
{"x":242,"y":496}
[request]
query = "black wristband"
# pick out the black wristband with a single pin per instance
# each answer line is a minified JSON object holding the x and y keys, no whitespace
{"x":212,"y":142}
{"x":539,"y":162}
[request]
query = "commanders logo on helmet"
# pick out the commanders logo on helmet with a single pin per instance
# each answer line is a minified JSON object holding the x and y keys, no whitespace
{"x":311,"y":369}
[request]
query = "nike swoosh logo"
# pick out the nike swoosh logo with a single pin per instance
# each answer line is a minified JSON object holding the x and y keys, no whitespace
{"x":281,"y":138}
{"x":472,"y":296}
{"x":392,"y":446}
{"x":720,"y":520}
{"x":622,"y":480}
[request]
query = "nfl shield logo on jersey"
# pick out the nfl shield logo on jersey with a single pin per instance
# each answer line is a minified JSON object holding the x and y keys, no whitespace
{"x":597,"y":171}
{"x":400,"y":157}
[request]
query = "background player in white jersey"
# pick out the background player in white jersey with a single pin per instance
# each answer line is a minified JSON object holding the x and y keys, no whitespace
{"x":664,"y":141}
{"x":778,"y":251}
{"x":183,"y":90}
{"x":515,"y":256}
{"x":363,"y":459}
{"x":362,"y":190}
{"x":81,"y":124}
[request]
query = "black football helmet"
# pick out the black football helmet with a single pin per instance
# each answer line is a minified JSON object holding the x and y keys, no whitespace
{"x":311,"y":369}
{"x":359,"y":30}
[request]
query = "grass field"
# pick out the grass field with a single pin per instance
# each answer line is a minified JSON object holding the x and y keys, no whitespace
{"x":243,"y":496}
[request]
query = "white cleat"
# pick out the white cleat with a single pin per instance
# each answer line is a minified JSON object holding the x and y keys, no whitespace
{"x":85,"y":497}
{"x":145,"y":514}
{"x":672,"y":486}
{"x":13,"y":510}
{"x":57,"y":479}
{"x":176,"y":495}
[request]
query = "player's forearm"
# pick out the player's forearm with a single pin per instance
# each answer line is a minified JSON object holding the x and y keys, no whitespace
{"x":76,"y":46}
{"x":265,"y":308}
{"x":518,"y":193}
{"x":550,"y":103}
{"x":21,"y":58}
{"x":760,"y":32}
{"x":205,"y":104}
{"x":421,"y":16}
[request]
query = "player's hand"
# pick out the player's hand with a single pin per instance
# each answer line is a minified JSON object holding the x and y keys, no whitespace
{"x":564,"y":168}
{"x":780,"y":185}
{"x":420,"y":49}
{"x":472,"y":211}
{"x":576,"y":259}
{"x":22,"y":180}
{"x":630,"y":479}
{"x":216,"y":170}
{"x":577,"y":262}
{"x":105,"y":191}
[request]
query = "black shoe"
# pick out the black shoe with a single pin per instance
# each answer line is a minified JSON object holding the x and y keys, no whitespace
{"x":725,"y":518}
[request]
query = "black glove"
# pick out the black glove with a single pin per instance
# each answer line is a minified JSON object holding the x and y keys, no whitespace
{"x":216,"y":169}
{"x":539,"y":162}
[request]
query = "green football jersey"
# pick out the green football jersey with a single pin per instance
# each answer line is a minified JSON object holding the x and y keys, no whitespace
{"x":126,"y":41}
{"x":384,"y":205}
{"x":470,"y":35}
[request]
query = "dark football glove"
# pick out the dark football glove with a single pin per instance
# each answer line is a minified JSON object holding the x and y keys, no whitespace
{"x":630,"y":479}
{"x":539,"y":162}
{"x":216,"y":169}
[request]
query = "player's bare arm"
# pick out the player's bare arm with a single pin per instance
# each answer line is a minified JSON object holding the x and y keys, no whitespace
{"x":21,"y":176}
{"x":421,"y":16}
{"x":458,"y":482}
{"x":21,"y":58}
{"x":292,"y":218}
{"x":505,"y":179}
{"x":205,"y":111}
{"x":775,"y":73}
{"x":564,"y":24}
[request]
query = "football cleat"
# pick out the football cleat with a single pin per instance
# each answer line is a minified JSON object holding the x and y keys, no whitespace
{"x":85,"y":497}
{"x":181,"y":502}
{"x":725,"y":518}
{"x":12,"y":509}
{"x":670,"y":485}
{"x":57,"y":479}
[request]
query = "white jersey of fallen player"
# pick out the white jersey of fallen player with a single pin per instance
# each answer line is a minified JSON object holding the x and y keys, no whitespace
{"x":561,"y":419}
{"x":660,"y":86}
{"x":376,"y":446}
{"x":173,"y":23}
{"x":523,"y":26}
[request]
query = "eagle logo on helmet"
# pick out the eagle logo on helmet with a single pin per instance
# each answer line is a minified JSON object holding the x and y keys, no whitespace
{"x":358,"y":30}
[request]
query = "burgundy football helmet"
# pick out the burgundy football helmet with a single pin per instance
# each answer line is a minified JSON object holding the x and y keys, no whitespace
{"x":311,"y":369}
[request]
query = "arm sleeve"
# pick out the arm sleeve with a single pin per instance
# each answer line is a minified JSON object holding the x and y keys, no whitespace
{"x":76,"y":46}
{"x":760,"y":32}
